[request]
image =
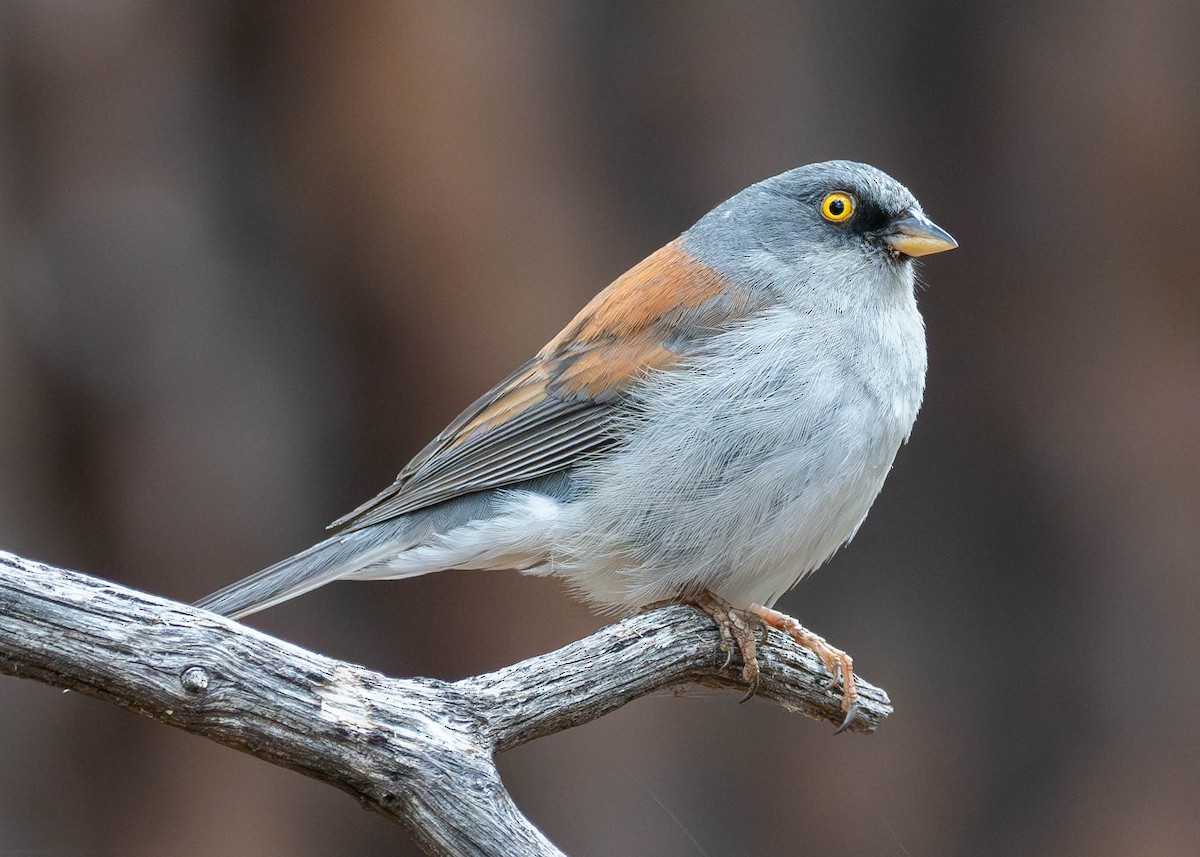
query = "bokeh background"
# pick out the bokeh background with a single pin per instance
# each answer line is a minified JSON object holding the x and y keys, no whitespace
{"x":253,"y":255}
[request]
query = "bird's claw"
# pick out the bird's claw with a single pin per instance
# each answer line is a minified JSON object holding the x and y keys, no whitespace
{"x":735,"y":633}
{"x":752,"y":685}
{"x":837,"y":663}
{"x":851,"y":714}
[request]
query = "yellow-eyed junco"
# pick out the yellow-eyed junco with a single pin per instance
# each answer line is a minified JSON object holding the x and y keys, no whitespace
{"x":709,"y":428}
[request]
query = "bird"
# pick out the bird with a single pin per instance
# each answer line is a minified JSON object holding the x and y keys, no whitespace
{"x":709,"y":429}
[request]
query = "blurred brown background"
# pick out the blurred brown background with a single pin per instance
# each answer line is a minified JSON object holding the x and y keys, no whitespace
{"x":253,"y":255}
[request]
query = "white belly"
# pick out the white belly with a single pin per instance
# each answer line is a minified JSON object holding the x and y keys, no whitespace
{"x":767,"y":464}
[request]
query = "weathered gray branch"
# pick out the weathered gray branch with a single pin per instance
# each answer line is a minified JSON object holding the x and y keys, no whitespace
{"x":419,"y":751}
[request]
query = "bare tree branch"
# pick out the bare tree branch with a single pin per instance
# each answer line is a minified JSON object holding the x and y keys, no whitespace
{"x":419,"y":751}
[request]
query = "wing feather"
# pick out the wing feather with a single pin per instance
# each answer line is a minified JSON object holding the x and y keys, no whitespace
{"x":560,"y":406}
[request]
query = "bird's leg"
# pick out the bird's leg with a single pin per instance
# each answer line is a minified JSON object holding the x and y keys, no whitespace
{"x":736,"y":630}
{"x":838,"y":663}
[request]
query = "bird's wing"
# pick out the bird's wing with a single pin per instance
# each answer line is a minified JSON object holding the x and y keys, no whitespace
{"x":559,"y":407}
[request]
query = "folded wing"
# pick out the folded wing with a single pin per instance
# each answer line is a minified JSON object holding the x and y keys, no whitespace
{"x":559,"y":408}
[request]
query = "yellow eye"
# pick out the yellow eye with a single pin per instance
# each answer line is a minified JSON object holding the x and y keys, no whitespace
{"x":837,"y":207}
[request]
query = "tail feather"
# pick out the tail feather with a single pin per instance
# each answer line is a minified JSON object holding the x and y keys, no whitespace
{"x":324,"y":562}
{"x":376,"y":551}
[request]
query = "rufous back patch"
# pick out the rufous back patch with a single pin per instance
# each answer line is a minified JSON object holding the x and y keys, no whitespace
{"x":611,"y":342}
{"x":666,"y":281}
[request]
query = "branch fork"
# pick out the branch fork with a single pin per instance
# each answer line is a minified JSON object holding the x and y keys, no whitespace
{"x":419,"y":751}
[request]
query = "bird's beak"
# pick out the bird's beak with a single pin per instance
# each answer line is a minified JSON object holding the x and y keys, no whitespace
{"x":914,"y":234}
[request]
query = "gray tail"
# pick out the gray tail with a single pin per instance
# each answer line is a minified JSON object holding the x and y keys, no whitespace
{"x":352,"y":553}
{"x":334,"y":558}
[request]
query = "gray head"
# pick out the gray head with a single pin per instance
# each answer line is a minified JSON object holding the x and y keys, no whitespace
{"x":812,"y":216}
